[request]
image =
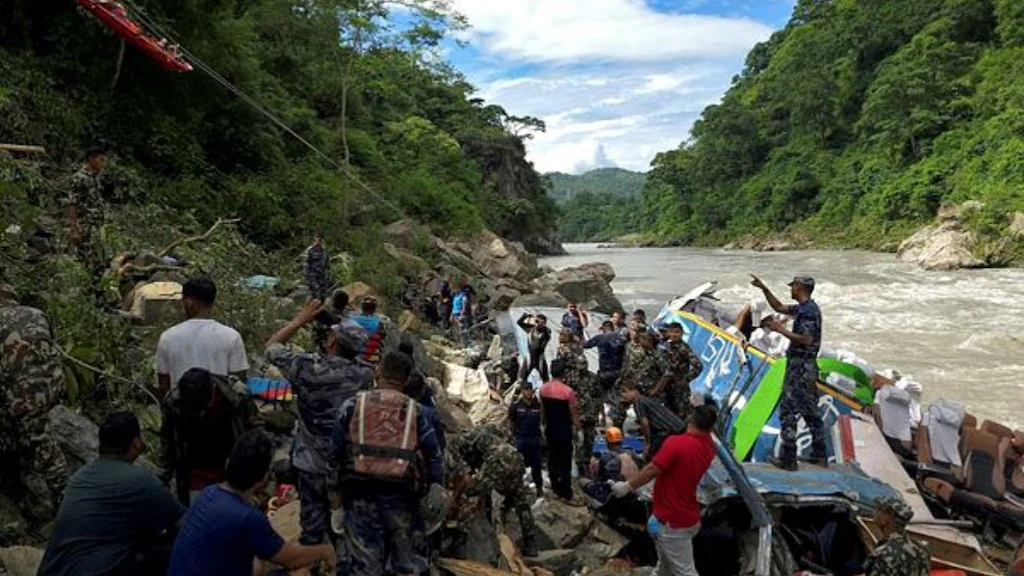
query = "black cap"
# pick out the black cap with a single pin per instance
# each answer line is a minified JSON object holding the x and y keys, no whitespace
{"x":95,"y":149}
{"x":804,"y":281}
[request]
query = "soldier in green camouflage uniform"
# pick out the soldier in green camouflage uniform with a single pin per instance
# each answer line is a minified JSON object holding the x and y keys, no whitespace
{"x":86,"y":211}
{"x":31,"y":383}
{"x":583,"y":383}
{"x":322,"y":383}
{"x":316,"y":265}
{"x":896,"y":554}
{"x":641,"y":370}
{"x":487,"y":456}
{"x":679,"y":366}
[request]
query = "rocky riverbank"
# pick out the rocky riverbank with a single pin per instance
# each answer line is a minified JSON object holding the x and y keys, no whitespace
{"x":968,"y":235}
{"x":468,"y":381}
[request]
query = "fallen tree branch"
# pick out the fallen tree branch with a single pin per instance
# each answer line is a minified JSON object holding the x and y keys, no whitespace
{"x":107,"y":374}
{"x":191,"y":239}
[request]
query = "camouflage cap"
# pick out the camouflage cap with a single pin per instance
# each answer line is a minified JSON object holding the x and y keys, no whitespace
{"x":896,"y":507}
{"x":804,"y":281}
{"x":350,"y":334}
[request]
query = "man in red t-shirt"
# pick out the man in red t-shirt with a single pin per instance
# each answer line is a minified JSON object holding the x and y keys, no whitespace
{"x":676,"y":471}
{"x":560,"y":413}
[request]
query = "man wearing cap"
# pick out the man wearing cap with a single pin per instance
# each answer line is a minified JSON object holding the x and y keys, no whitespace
{"x":322,"y":383}
{"x":85,"y":210}
{"x":524,"y":419}
{"x":799,"y":389}
{"x":896,"y":554}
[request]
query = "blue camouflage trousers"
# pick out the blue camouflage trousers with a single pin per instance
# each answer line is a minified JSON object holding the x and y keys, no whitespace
{"x":315,"y":512}
{"x":382,"y":536}
{"x":800,"y":400}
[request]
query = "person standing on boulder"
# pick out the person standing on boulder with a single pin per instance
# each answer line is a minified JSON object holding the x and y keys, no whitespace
{"x":561,"y":416}
{"x":524,"y":419}
{"x":677,"y":470}
{"x":579,"y":378}
{"x":323,"y":382}
{"x":611,"y":349}
{"x":462,"y":312}
{"x":538,"y":336}
{"x":799,"y":389}
{"x":316,"y":264}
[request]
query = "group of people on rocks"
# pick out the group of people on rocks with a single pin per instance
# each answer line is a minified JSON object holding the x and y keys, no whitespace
{"x":376,"y":473}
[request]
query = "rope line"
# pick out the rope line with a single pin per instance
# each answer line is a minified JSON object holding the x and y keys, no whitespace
{"x":345,"y":170}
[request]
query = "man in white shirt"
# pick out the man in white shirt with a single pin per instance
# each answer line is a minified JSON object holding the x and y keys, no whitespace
{"x":200,"y":341}
{"x":767,"y":340}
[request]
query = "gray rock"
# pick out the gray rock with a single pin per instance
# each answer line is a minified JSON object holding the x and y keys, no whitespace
{"x":588,"y":285}
{"x":410,"y":264}
{"x":502,"y":299}
{"x":499,"y":258}
{"x":542,"y":299}
{"x":564,"y":525}
{"x":404,"y":233}
{"x":77,"y":436}
{"x":559,"y":561}
{"x":945,"y":246}
{"x":1017,"y":224}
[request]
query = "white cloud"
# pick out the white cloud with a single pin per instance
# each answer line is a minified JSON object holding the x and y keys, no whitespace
{"x":635,"y":113}
{"x":615,"y":81}
{"x":622,"y":30}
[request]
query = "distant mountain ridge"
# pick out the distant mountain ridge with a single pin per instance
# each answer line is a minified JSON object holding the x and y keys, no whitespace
{"x":614,"y":181}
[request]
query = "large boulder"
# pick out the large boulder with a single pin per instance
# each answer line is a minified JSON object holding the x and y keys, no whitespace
{"x":588,"y":285}
{"x":1017,"y":224}
{"x":558,"y":561}
{"x":499,"y":258}
{"x":543,"y":299}
{"x":944,"y":246}
{"x":410,"y":264}
{"x":405,"y":234}
{"x":77,"y":436}
{"x":358,"y":291}
{"x":560,"y":523}
{"x":155,"y":303}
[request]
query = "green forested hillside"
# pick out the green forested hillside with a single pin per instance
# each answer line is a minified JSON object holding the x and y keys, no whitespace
{"x":853,"y":124}
{"x":373,"y":96}
{"x":614,"y":181}
{"x":598,"y":205}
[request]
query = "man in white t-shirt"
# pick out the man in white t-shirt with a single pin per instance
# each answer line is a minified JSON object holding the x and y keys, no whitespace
{"x":200,"y":341}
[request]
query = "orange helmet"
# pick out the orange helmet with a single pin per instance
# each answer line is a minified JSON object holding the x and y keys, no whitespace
{"x":613,"y":435}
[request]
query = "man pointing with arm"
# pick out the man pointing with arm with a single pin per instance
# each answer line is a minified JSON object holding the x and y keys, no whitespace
{"x":799,"y":388}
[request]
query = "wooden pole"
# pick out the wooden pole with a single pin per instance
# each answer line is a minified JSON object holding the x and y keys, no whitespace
{"x":23,"y":148}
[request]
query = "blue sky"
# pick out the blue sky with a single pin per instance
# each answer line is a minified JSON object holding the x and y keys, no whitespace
{"x":616,"y":81}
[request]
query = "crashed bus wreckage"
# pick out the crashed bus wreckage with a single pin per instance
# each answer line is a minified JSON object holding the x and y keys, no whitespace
{"x":962,"y":480}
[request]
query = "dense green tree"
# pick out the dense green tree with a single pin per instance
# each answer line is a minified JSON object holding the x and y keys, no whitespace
{"x":853,"y":124}
{"x":362,"y":85}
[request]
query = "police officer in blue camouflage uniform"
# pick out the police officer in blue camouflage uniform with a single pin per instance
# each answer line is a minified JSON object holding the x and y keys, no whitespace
{"x":382,"y":529}
{"x":896,"y":554}
{"x":322,"y":383}
{"x":799,"y":389}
